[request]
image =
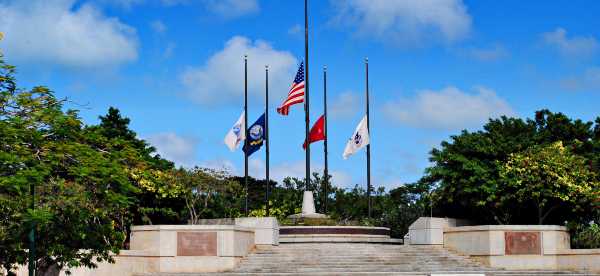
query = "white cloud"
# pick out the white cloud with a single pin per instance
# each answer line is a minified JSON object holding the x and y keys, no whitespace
{"x":589,"y":80}
{"x":232,"y":8}
{"x":126,"y":4}
{"x":55,"y":31}
{"x":577,"y":46}
{"x":158,"y":26}
{"x":227,"y":9}
{"x":344,"y":106}
{"x":494,"y":53}
{"x":295,"y":30}
{"x":449,"y":108}
{"x":169,"y":49}
{"x":181,"y":150}
{"x":221,"y":79}
{"x":169,"y":3}
{"x":406,"y":22}
{"x":220,"y":164}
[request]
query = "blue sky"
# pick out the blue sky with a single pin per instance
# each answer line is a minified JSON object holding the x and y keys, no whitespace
{"x":436,"y":66}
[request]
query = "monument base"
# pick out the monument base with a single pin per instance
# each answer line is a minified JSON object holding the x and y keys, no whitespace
{"x":343,"y":234}
{"x":313,"y":215}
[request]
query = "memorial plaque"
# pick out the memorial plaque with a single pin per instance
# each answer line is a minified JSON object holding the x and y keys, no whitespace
{"x":196,"y":243}
{"x":522,"y":243}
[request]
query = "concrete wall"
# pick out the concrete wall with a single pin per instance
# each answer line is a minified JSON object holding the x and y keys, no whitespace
{"x":579,"y":259}
{"x":266,"y":229}
{"x":489,"y":240}
{"x":176,"y":249}
{"x":430,"y":230}
{"x":521,"y":247}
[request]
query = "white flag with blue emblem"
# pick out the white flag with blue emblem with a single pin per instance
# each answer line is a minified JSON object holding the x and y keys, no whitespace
{"x":359,"y":139}
{"x":236,"y":134}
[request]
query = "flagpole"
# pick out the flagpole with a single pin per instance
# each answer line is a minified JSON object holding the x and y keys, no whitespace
{"x":306,"y":102}
{"x":326,"y":172}
{"x":246,"y":132}
{"x":267,"y":137}
{"x":369,"y":145}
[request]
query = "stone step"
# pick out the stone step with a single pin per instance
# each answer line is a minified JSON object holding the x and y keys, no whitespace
{"x":341,"y":263}
{"x":314,"y":259}
{"x":299,"y":261}
{"x":487,"y":273}
{"x":318,"y":253}
{"x":362,"y":262}
{"x":344,"y":270}
{"x":340,"y":256}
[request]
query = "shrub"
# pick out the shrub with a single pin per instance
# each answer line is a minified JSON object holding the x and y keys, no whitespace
{"x":585,"y":236}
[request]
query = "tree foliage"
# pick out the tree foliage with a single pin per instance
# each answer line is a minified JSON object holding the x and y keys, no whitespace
{"x":82,"y":189}
{"x":86,"y":179}
{"x":465,"y":179}
{"x":550,"y":177}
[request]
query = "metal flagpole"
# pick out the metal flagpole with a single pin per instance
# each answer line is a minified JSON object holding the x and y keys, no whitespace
{"x":326,"y":172}
{"x":369,"y":145}
{"x":306,"y":102}
{"x":246,"y":131}
{"x":267,"y":137}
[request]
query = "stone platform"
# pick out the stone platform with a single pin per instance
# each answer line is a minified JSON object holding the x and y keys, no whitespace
{"x":334,"y":259}
{"x":345,"y":234}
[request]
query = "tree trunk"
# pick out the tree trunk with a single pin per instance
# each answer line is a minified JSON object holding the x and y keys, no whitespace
{"x":47,"y":267}
{"x":543,"y":218}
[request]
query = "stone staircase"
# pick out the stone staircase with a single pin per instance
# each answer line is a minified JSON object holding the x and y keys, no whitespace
{"x":361,"y":259}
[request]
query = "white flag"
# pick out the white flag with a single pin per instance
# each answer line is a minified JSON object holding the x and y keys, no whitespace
{"x":236,"y":134}
{"x":359,"y":139}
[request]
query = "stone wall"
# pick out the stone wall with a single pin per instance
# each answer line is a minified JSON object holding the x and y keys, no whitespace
{"x":177,"y":249}
{"x":506,"y":246}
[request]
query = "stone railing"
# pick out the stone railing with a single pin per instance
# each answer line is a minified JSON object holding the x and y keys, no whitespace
{"x":216,"y":246}
{"x":506,"y":246}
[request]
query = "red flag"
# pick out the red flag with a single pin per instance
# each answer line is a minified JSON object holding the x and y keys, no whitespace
{"x":317,"y":132}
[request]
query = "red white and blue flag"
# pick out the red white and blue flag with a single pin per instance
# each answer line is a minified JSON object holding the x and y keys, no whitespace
{"x":296,"y":94}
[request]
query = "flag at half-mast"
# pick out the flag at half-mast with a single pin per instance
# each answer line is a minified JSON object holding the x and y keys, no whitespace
{"x":296,"y":94}
{"x":317,"y":132}
{"x":236,"y":134}
{"x":359,"y":139}
{"x":256,"y":132}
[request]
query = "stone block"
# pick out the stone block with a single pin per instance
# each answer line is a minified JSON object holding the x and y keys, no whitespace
{"x":430,"y":230}
{"x":266,"y":230}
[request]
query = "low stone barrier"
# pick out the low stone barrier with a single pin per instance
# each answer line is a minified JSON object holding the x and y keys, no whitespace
{"x":356,"y":234}
{"x":177,"y":249}
{"x":430,"y":230}
{"x":266,"y":229}
{"x":521,"y":247}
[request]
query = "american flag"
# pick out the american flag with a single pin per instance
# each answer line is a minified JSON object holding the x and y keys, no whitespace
{"x":296,"y":94}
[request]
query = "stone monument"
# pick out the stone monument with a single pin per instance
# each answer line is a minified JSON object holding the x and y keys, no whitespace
{"x":308,"y":208}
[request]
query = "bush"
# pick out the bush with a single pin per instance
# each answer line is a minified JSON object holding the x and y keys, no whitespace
{"x":585,"y":236}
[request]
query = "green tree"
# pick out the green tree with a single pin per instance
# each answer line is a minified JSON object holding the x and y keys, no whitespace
{"x":550,"y":177}
{"x":465,"y":180}
{"x":208,"y":193}
{"x":157,"y":200}
{"x":83,"y":190}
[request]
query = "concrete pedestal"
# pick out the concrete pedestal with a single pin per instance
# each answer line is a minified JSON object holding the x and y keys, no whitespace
{"x":430,"y":230}
{"x":308,"y":208}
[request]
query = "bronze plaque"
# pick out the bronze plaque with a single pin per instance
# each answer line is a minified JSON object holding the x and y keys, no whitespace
{"x":196,"y":243}
{"x":523,"y":243}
